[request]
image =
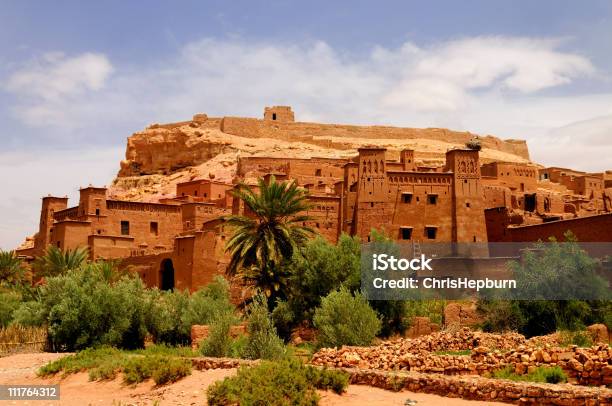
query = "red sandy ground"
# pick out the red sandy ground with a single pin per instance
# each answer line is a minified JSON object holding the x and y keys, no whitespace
{"x":76,"y":390}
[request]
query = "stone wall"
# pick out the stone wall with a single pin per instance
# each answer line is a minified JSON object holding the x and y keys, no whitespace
{"x":489,"y":352}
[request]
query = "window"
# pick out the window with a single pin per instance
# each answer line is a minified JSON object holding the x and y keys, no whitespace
{"x":97,"y":212}
{"x":273,"y":116}
{"x":406,"y":233}
{"x":125,"y":228}
{"x":195,"y":193}
{"x":468,"y":204}
{"x":432,"y":199}
{"x":205,"y":194}
{"x":154,"y":228}
{"x":430,"y":232}
{"x":318,"y":172}
{"x":407,"y":197}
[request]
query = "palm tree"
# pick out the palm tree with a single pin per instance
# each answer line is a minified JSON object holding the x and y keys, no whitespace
{"x":272,"y":232}
{"x":11,"y":269}
{"x":57,"y":262}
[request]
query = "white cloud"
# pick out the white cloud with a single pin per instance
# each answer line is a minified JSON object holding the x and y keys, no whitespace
{"x":49,"y":90}
{"x":507,"y":86}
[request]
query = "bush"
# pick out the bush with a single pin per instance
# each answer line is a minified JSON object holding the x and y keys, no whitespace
{"x":9,"y":303}
{"x":540,"y":374}
{"x":344,"y":319}
{"x":30,"y":314}
{"x":500,"y":315}
{"x":262,"y":341}
{"x":161,"y":368}
{"x":83,"y":309}
{"x":107,"y":362}
{"x":287,"y":382}
{"x":218,"y":342}
{"x":579,"y":338}
{"x":172,"y":313}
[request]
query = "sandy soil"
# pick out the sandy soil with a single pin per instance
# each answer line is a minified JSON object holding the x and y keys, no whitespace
{"x":76,"y":390}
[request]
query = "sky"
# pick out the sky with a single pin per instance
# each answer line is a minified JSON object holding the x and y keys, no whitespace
{"x":77,"y":78}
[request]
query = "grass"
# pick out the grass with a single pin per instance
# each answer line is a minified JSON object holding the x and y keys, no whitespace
{"x":463,"y":353}
{"x":162,"y":364}
{"x":17,"y":338}
{"x":540,"y":374}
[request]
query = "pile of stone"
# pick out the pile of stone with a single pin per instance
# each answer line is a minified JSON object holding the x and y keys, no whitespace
{"x":585,"y":366}
{"x":489,"y":352}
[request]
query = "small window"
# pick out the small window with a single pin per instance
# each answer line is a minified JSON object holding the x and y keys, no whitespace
{"x":97,"y":212}
{"x":430,"y":232}
{"x":406,"y":233}
{"x":125,"y":228}
{"x":205,"y":194}
{"x":371,"y":204}
{"x":195,"y":193}
{"x":468,"y":204}
{"x":432,"y":199}
{"x":273,"y":116}
{"x":154,"y":228}
{"x":407,"y":197}
{"x":318,"y":225}
{"x":318,"y":172}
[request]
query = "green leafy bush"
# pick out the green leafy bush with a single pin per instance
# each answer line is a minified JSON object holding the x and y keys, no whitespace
{"x":107,"y":363}
{"x":580,"y":338}
{"x":262,"y":341}
{"x":540,"y":374}
{"x":344,"y":319}
{"x":172,"y":313}
{"x":83,"y":309}
{"x":162,"y":369}
{"x":9,"y":303}
{"x":286,"y":382}
{"x":218,"y":343}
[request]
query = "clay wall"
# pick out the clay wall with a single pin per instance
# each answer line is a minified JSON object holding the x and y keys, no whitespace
{"x":194,"y":215}
{"x":153,"y":226}
{"x":597,"y":228}
{"x":204,"y":189}
{"x":515,"y":176}
{"x":254,"y":128}
{"x":50,"y":206}
{"x":419,"y":201}
{"x":107,"y":246}
{"x":70,"y":234}
{"x":496,"y":196}
{"x":325,"y":213}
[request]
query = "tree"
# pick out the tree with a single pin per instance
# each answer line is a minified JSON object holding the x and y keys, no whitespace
{"x":57,"y":262}
{"x":11,"y":270}
{"x":270,"y":235}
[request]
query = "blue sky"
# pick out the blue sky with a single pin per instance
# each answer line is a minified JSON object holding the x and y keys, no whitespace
{"x":77,"y":78}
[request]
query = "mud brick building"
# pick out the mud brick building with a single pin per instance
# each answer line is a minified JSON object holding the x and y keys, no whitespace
{"x":178,"y":241}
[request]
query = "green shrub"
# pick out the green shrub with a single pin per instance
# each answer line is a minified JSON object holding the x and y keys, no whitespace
{"x":30,"y":313}
{"x":262,"y":341}
{"x":172,"y":313}
{"x":286,"y":382}
{"x":344,"y":319}
{"x":540,"y":374}
{"x":218,"y":342}
{"x":81,"y":361}
{"x":9,"y":303}
{"x":107,"y":362}
{"x":500,"y":315}
{"x":82,"y":310}
{"x":579,"y":338}
{"x":161,"y":368}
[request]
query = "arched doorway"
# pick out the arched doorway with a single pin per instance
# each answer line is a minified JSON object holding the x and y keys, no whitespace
{"x":166,"y":277}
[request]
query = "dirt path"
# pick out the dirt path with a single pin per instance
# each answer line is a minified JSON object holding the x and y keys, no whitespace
{"x":76,"y":390}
